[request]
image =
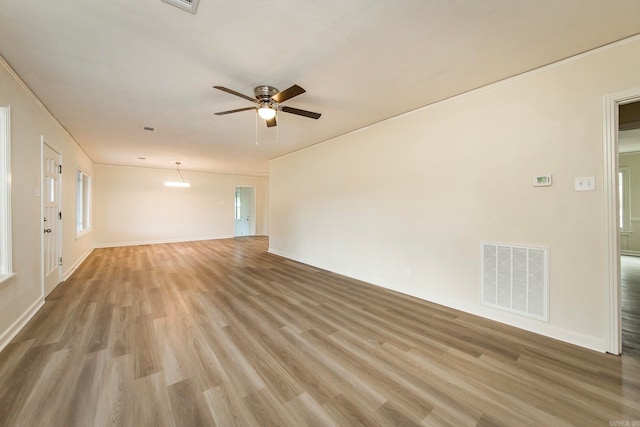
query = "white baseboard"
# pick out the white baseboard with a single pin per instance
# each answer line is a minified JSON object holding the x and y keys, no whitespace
{"x":530,"y":325}
{"x":527,"y":324}
{"x":159,"y":242}
{"x":13,"y":330}
{"x":75,"y":266}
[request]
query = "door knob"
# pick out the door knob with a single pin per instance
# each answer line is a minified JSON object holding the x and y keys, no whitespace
{"x":47,"y":230}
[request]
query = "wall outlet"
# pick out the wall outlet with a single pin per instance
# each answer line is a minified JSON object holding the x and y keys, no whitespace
{"x":585,"y":183}
{"x":407,"y":271}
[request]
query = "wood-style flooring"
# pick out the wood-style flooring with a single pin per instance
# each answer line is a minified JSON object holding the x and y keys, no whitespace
{"x":221,"y":333}
{"x":630,"y":295}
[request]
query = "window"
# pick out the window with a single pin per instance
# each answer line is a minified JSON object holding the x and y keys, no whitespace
{"x":238,"y":202}
{"x":6,"y":269}
{"x":83,"y":201}
{"x":624,"y":211}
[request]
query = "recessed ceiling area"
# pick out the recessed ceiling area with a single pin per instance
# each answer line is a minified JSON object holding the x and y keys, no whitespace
{"x":107,"y":69}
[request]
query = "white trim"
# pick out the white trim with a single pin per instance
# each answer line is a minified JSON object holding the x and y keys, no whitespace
{"x":538,"y":327}
{"x":611,"y":226}
{"x":5,"y":194}
{"x":40,"y":193}
{"x":15,"y":328}
{"x":86,"y":202}
{"x":60,"y":235}
{"x":75,"y":265}
{"x":159,"y":242}
{"x":4,"y":280}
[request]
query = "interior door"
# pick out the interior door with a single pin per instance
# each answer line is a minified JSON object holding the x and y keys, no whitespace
{"x":52,"y":220}
{"x":245,"y":211}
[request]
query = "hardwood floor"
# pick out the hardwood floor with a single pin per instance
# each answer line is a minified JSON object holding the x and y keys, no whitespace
{"x":223,"y":333}
{"x":630,"y":287}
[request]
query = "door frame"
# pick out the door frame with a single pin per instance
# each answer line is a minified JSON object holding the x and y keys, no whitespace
{"x":254,"y":228}
{"x":58,"y":242}
{"x":612,"y":231}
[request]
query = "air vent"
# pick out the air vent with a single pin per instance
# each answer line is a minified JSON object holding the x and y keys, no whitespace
{"x":188,"y":5}
{"x":516,"y":279}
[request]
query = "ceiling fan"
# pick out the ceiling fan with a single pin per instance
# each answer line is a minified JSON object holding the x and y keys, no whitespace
{"x":269,"y":99}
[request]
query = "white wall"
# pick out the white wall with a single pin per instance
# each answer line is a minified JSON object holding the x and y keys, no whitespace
{"x":424,"y":189}
{"x":132,"y":205}
{"x":22,"y":295}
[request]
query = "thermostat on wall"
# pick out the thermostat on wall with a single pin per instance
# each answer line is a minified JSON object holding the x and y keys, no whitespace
{"x":542,"y":180}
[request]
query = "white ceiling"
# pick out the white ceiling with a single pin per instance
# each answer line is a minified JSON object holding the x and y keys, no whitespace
{"x":107,"y":68}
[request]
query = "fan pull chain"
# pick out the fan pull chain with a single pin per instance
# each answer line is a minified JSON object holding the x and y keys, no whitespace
{"x":277,"y":134}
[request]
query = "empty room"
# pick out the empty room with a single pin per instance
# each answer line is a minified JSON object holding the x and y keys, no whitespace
{"x":376,"y":213}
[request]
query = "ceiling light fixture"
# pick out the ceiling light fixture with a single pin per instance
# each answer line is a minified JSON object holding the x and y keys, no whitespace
{"x":266,"y":111}
{"x":180,"y":183}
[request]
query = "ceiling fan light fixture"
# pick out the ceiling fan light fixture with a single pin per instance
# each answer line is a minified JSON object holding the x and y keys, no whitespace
{"x":266,"y":112}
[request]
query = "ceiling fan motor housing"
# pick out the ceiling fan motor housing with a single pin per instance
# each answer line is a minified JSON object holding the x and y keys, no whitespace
{"x":264,"y":93}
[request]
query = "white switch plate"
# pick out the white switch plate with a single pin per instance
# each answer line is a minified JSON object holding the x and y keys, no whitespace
{"x":585,"y":183}
{"x":542,"y":180}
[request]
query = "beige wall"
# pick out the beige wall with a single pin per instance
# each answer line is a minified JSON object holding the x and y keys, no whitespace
{"x":23,"y":293}
{"x":424,"y":189}
{"x":132,"y":205}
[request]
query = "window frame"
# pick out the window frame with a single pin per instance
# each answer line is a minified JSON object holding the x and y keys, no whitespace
{"x":83,"y":202}
{"x":6,"y":262}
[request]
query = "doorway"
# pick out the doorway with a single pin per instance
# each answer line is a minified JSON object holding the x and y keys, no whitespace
{"x":51,"y":219}
{"x":617,"y":216}
{"x":245,"y":211}
{"x":629,"y":220}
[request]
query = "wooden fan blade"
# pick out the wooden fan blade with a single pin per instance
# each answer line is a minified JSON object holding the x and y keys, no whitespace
{"x":299,"y":112}
{"x":271,"y":123}
{"x":222,"y":113}
{"x":289,"y":93}
{"x":233,"y":92}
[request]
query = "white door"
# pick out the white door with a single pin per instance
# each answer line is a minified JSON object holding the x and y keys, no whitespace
{"x":52,"y":220}
{"x":245,"y":211}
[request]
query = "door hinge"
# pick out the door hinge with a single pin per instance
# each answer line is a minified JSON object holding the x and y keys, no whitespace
{"x":60,"y":260}
{"x":60,"y":215}
{"x":59,"y":168}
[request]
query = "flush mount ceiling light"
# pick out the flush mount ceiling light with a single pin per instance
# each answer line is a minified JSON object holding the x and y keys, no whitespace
{"x":180,"y":183}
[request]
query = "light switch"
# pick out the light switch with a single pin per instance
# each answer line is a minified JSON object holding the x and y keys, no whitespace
{"x":585,"y":183}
